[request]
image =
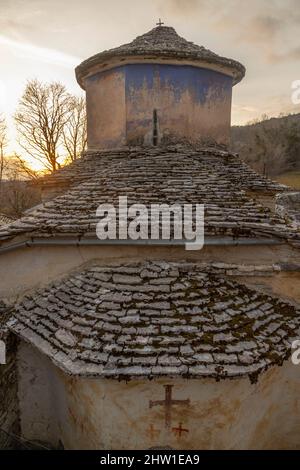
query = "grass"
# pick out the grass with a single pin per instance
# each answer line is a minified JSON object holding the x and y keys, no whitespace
{"x":291,"y":178}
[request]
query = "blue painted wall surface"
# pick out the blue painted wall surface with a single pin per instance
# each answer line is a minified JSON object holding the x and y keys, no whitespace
{"x":192,"y":104}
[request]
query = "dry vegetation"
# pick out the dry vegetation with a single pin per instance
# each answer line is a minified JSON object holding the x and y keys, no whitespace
{"x":270,"y":146}
{"x":291,"y":178}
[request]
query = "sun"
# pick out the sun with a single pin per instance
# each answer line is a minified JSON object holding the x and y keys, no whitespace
{"x":34,"y":165}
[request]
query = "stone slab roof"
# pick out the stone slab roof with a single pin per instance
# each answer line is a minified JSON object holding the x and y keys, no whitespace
{"x":162,"y":42}
{"x":288,"y":204}
{"x":238,"y":172}
{"x":157,"y":319}
{"x":4,"y":219}
{"x":212,"y":178}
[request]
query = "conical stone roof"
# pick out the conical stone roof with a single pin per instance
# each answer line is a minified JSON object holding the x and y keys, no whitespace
{"x":161,"y":42}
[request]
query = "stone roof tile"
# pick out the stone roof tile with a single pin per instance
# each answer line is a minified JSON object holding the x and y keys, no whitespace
{"x":4,"y":219}
{"x":216,"y":179}
{"x":162,"y":339}
{"x":239,"y":173}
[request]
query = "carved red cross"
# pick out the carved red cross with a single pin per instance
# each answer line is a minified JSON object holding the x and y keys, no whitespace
{"x":168,"y":403}
{"x":153,"y":433}
{"x":179,"y":430}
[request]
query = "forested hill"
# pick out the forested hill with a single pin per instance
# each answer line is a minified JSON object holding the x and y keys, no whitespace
{"x":271,"y":146}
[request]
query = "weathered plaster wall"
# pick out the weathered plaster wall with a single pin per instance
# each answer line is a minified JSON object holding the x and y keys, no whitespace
{"x":105,"y":102}
{"x":107,"y":414}
{"x":29,"y":268}
{"x":191,"y":103}
{"x":9,"y":405}
{"x":37,"y":394}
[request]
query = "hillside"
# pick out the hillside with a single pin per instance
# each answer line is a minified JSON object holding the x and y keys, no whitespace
{"x":271,"y":146}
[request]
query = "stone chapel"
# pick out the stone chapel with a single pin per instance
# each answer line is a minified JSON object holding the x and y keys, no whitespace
{"x":140,"y":344}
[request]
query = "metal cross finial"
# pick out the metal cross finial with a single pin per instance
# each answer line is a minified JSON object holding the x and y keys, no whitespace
{"x":160,"y":23}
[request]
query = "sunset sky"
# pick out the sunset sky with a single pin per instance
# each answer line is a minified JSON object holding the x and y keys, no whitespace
{"x":46,"y":39}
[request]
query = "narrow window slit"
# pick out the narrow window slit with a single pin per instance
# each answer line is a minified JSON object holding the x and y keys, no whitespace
{"x":155,"y":131}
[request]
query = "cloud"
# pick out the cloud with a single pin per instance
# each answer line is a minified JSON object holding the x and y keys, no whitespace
{"x":19,"y":16}
{"x":30,"y":51}
{"x":262,"y":29}
{"x":184,"y":6}
{"x":3,"y":96}
{"x":248,"y":109}
{"x":290,"y":55}
{"x":188,"y":8}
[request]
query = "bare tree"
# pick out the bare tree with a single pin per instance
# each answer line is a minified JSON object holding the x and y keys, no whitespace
{"x":23,"y":169}
{"x":43,"y":111}
{"x":74,"y":132}
{"x":3,"y":144}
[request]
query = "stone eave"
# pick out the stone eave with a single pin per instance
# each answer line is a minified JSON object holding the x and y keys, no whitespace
{"x":108,"y":60}
{"x":73,"y":369}
{"x":79,"y":240}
